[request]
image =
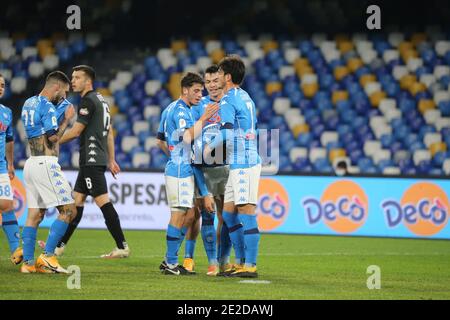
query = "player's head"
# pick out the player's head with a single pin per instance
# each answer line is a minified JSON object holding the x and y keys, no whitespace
{"x":58,"y":84}
{"x":83,"y":78}
{"x":231,"y":70}
{"x":192,"y":87}
{"x":212,"y":81}
{"x":2,"y":85}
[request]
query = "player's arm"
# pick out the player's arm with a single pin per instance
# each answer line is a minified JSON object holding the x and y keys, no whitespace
{"x":85,"y":112}
{"x":10,"y":152}
{"x":160,"y":137}
{"x":113,"y":166}
{"x":227,"y":115}
{"x":194,"y":131}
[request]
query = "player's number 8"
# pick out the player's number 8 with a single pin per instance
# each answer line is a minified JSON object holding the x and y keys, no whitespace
{"x":88,"y":183}
{"x":6,"y":192}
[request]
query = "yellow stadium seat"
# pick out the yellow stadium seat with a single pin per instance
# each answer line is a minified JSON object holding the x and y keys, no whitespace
{"x":405,"y":45}
{"x":104,"y":92}
{"x":217,"y":55}
{"x":44,"y":43}
{"x":339,"y":96}
{"x":417,"y":87}
{"x":300,"y":62}
{"x":45,"y":51}
{"x":301,"y":71}
{"x":417,"y":38}
{"x":310,"y":89}
{"x":367,"y":78}
{"x":354,"y":64}
{"x":408,"y":54}
{"x":269,"y":46}
{"x":299,"y":129}
{"x":272,"y":87}
{"x":407,"y":81}
{"x":336,"y":153}
{"x":174,"y":85}
{"x":437,"y":147}
{"x":426,"y":104}
{"x":376,"y":97}
{"x":178,"y":45}
{"x":341,"y":37}
{"x":345,"y":46}
{"x":340,"y":72}
{"x":113,"y":109}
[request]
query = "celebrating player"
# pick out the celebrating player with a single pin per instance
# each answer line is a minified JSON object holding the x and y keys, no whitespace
{"x":238,"y":118}
{"x":93,"y":127}
{"x":9,"y":221}
{"x":180,"y":131}
{"x":45,"y":183}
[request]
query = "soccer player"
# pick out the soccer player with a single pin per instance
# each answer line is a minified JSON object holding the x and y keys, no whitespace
{"x":238,"y":118}
{"x":180,"y":131}
{"x":93,"y":127}
{"x":45,"y":183}
{"x":216,"y":175}
{"x":9,"y":221}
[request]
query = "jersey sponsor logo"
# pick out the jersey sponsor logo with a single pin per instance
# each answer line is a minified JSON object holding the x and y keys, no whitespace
{"x":84,"y":111}
{"x":273,"y":204}
{"x":92,"y":160}
{"x":182,"y":123}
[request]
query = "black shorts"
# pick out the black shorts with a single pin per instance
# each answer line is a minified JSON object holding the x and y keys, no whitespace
{"x":91,"y":181}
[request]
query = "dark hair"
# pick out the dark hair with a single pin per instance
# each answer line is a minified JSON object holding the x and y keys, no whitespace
{"x":1,"y":76}
{"x":212,"y":69}
{"x":190,"y":79}
{"x":57,"y":76}
{"x":89,"y":71}
{"x":234,"y":66}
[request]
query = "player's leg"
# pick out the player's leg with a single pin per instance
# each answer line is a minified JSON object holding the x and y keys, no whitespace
{"x":29,"y":233}
{"x":192,"y":221}
{"x":224,"y":244}
{"x":80,"y":194}
{"x":9,"y":221}
{"x":246,"y":206}
{"x":181,"y":199}
{"x":97,"y":187}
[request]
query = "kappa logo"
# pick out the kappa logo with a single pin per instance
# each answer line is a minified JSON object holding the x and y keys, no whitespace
{"x":242,"y":190}
{"x":92,"y":138}
{"x":58,"y":183}
{"x":62,"y":191}
{"x":242,"y":199}
{"x":92,"y":146}
{"x":92,"y":153}
{"x":55,"y":174}
{"x":241,"y":172}
{"x":181,"y":114}
{"x":65,"y":199}
{"x":242,"y":181}
{"x":92,"y":160}
{"x":184,"y":184}
{"x":184,"y":193}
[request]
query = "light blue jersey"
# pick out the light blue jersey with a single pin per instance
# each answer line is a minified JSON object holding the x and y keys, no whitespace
{"x":161,"y":135}
{"x":178,"y":118}
{"x":238,"y":118}
{"x":209,"y":132}
{"x":61,"y":109}
{"x":6,"y":135}
{"x":39,"y":117}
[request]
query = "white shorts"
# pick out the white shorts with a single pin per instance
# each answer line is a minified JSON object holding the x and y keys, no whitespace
{"x":242,"y":185}
{"x":180,"y":192}
{"x":216,"y":179}
{"x":6,"y":192}
{"x":45,"y":183}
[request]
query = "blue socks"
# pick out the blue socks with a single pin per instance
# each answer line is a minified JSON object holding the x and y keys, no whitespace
{"x":251,"y":238}
{"x":236,"y":234}
{"x":189,"y":249}
{"x":11,"y":229}
{"x":209,"y":236}
{"x":173,"y":244}
{"x":224,"y":248}
{"x":182,"y":235}
{"x":57,"y":231}
{"x":29,"y":241}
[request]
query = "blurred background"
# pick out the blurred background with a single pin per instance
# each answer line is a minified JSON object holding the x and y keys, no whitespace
{"x":376,"y":100}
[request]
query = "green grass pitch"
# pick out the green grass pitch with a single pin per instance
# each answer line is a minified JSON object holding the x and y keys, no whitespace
{"x":292,"y":267}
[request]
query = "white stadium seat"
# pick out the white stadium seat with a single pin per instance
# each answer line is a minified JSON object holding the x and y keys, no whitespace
{"x":421,"y":155}
{"x":129,"y":142}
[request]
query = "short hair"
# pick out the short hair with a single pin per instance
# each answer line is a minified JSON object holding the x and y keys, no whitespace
{"x":190,"y":79}
{"x":1,"y":76}
{"x":88,"y":70}
{"x":212,"y":69}
{"x":57,"y":76}
{"x":234,"y":66}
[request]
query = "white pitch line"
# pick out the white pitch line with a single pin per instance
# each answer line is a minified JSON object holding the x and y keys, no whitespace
{"x":256,"y":281}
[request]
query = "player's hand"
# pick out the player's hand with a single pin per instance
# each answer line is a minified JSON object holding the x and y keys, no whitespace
{"x":70,"y":112}
{"x":210,"y":110}
{"x":11,"y":172}
{"x":208,"y":203}
{"x":114,"y":168}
